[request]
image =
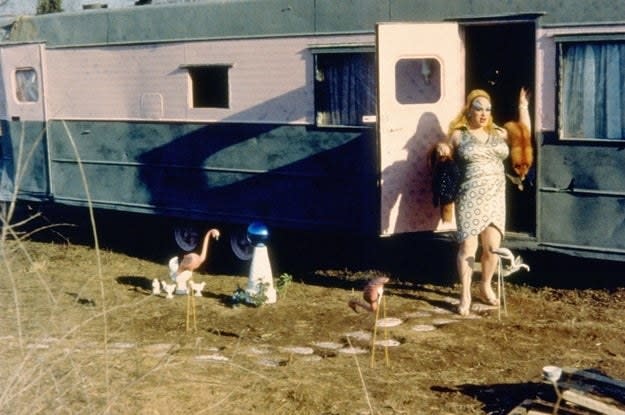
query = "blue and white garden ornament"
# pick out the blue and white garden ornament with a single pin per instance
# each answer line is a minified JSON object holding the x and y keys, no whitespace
{"x":260,"y":281}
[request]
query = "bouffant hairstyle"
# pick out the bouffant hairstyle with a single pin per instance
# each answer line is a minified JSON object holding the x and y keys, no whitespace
{"x":462,"y":119}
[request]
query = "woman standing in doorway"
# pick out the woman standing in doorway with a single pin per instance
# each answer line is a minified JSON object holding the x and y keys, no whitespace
{"x":479,"y":147}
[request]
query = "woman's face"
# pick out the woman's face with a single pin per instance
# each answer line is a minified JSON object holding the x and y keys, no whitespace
{"x":479,"y":113}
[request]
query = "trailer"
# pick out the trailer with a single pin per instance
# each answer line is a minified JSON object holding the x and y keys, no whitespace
{"x":314,"y":115}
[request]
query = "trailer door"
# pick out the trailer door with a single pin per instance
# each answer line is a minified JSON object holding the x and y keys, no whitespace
{"x":23,"y":156}
{"x":420,"y":89}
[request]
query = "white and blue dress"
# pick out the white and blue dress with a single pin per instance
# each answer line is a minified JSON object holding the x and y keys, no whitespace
{"x":481,"y":200}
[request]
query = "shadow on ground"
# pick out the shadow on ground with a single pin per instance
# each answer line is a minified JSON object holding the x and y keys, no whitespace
{"x":416,"y":258}
{"x":500,"y":399}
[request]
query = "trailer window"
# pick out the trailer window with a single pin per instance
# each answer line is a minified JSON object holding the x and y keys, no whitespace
{"x":344,"y":88}
{"x":592,"y":90}
{"x":417,"y":81}
{"x":26,"y":85}
{"x":210,"y":86}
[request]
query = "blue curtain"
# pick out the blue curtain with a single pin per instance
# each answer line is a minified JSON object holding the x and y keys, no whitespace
{"x":593,"y":90}
{"x":348,"y":88}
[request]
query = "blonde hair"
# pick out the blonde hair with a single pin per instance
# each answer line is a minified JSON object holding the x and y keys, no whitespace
{"x":461,"y":120}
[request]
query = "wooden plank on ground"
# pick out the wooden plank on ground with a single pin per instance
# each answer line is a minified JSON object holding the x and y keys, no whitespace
{"x":591,"y":402}
{"x":598,"y":384}
{"x":539,"y":407}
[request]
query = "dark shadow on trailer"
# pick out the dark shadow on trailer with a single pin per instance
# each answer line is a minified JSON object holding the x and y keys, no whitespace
{"x":286,"y":176}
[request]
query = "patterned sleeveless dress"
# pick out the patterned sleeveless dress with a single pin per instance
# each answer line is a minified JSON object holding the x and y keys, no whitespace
{"x":481,"y":200}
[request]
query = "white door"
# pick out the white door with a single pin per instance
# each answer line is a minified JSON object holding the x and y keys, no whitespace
{"x":421,"y":88}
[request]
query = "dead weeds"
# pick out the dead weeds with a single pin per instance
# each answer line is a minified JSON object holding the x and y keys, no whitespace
{"x":80,"y":335}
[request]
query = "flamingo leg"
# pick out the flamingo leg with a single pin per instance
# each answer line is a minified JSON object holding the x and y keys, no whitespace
{"x":191,"y":311}
{"x":373,"y":338}
{"x":386,"y":356}
{"x":188,"y":312}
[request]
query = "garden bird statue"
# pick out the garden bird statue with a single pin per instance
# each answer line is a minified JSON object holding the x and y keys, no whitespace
{"x":372,"y":294}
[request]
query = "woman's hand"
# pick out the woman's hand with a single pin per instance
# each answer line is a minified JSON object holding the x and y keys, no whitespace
{"x":523,"y":98}
{"x":443,"y":150}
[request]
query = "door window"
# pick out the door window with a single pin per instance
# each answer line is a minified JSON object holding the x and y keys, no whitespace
{"x":26,"y":85}
{"x":417,"y":81}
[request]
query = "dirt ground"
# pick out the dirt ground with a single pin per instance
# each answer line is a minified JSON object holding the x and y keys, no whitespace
{"x":81,"y":332}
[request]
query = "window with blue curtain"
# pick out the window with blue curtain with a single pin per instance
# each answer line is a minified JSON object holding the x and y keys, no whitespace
{"x":344,"y":88}
{"x":592,"y":90}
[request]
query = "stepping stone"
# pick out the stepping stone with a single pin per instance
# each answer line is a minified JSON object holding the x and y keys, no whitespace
{"x":258,"y":350}
{"x":353,"y":350}
{"x":328,"y":345}
{"x":272,"y":362}
{"x":443,"y":321}
{"x":389,"y":322}
{"x":387,"y":343}
{"x":298,"y":350}
{"x":359,"y":335}
{"x":439,"y":310}
{"x":159,"y":349}
{"x":423,"y":327}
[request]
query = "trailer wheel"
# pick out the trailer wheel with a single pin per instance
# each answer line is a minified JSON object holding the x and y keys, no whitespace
{"x":187,"y":237}
{"x":240,"y":244}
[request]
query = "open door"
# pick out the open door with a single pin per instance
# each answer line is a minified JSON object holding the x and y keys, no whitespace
{"x":22,"y":84}
{"x":23,"y":155}
{"x":420,"y":89}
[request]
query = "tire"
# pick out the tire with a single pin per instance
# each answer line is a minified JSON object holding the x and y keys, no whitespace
{"x":187,"y":237}
{"x":240,"y":245}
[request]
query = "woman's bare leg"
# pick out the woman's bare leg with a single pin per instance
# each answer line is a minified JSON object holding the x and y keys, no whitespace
{"x":491,"y":239}
{"x":465,"y":261}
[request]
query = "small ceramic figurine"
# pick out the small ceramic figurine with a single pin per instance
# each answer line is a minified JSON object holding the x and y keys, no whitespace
{"x":197,"y":287}
{"x":156,"y":286}
{"x":172,"y":265}
{"x":169,"y":289}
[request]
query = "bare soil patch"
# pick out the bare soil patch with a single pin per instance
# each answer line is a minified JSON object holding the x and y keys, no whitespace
{"x":81,"y":332}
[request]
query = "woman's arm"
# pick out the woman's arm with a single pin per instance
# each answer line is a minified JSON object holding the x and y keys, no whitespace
{"x":524,"y":113}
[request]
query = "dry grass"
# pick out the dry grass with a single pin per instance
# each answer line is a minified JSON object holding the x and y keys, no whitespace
{"x":75,"y":340}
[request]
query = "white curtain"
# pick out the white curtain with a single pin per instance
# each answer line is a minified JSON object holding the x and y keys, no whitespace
{"x":593,"y":90}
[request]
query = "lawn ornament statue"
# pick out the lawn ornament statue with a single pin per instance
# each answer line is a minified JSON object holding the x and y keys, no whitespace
{"x":181,"y":267}
{"x":260,"y":287}
{"x":156,"y":286}
{"x":169,"y":288}
{"x":197,"y":287}
{"x":372,"y":294}
{"x":508,"y":264}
